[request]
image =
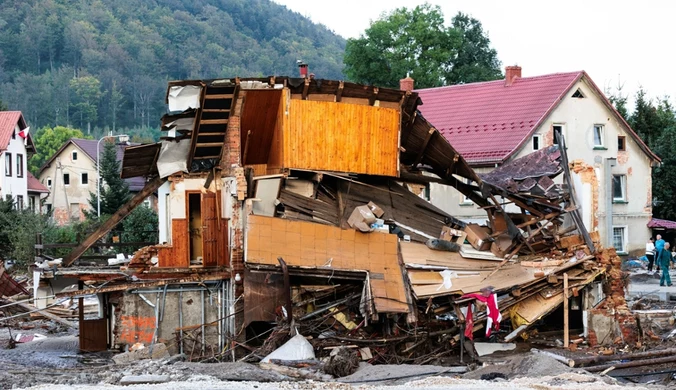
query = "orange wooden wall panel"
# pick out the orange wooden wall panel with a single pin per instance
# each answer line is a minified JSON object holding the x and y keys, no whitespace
{"x":177,"y":255}
{"x":310,"y":244}
{"x":341,"y":137}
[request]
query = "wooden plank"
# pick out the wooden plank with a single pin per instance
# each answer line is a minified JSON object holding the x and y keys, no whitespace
{"x":210,"y":226}
{"x":204,"y":122}
{"x":43,"y":312}
{"x":176,"y":255}
{"x":116,"y":218}
{"x":209,"y":144}
{"x":219,"y":96}
{"x":566,"y":334}
{"x":327,"y":136}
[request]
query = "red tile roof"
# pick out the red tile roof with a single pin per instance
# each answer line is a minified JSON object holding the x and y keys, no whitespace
{"x":661,"y":223}
{"x":8,"y":121}
{"x":34,"y":184}
{"x":487,"y":122}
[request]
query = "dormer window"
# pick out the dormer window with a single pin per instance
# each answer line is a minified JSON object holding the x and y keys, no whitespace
{"x":578,"y":94}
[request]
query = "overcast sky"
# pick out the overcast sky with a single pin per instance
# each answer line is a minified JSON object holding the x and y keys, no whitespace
{"x":630,"y":41}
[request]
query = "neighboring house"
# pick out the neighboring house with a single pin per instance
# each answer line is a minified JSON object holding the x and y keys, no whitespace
{"x":70,"y":175}
{"x":16,"y":146}
{"x":492,"y":122}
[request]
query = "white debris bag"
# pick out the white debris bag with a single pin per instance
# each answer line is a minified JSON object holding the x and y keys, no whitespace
{"x":298,"y":348}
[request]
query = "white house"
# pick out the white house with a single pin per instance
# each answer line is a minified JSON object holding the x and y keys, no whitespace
{"x":16,"y":146}
{"x":490,"y":123}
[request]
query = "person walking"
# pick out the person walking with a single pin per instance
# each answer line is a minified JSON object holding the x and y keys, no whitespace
{"x":663,"y":260}
{"x":650,"y":253}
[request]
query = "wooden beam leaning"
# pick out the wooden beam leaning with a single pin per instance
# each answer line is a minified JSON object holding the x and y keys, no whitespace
{"x":116,"y":218}
{"x":339,"y":93}
{"x":421,"y":152}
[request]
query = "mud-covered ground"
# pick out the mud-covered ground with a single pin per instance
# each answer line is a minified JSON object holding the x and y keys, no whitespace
{"x":54,"y":363}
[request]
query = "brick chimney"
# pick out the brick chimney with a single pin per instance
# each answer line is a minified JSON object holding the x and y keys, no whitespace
{"x":303,"y":68}
{"x":406,"y":84}
{"x":511,"y":74}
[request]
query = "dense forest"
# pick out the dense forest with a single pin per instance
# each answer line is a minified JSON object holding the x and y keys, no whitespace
{"x":100,"y":65}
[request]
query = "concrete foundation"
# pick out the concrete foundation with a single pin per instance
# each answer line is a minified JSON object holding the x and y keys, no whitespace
{"x":187,"y":318}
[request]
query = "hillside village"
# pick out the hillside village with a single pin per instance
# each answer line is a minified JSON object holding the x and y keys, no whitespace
{"x":436,"y":233}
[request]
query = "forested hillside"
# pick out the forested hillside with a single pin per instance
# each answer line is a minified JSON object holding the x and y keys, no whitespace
{"x":92,"y":64}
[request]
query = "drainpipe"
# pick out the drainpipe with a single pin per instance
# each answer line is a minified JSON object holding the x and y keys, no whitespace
{"x":608,"y":171}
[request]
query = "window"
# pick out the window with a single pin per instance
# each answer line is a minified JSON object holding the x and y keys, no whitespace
{"x":557,"y":129}
{"x":31,"y":203}
{"x":536,"y":142}
{"x":19,"y":165}
{"x":598,"y":136}
{"x":464,"y":199}
{"x":8,"y":164}
{"x":49,"y":182}
{"x":619,"y":188}
{"x":621,"y":143}
{"x":14,"y":134}
{"x":48,"y":207}
{"x":84,"y":178}
{"x":19,"y":202}
{"x":66,"y":179}
{"x":620,"y":238}
{"x":74,"y":156}
{"x":578,"y":94}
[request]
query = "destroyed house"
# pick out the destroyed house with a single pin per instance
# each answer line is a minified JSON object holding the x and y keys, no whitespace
{"x":491,"y":123}
{"x":287,"y":202}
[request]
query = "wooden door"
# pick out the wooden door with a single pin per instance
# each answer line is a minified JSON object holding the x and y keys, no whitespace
{"x":210,"y":229}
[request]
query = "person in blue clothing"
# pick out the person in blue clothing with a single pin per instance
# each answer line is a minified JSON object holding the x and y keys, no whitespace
{"x":663,"y":259}
{"x":659,"y":243}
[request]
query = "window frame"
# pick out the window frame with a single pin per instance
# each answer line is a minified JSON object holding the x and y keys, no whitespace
{"x":623,"y":187}
{"x":625,"y":230}
{"x":537,"y":137}
{"x":73,"y":155}
{"x":66,"y":182}
{"x":623,"y":139}
{"x":602,"y":135}
{"x":84,"y":182}
{"x":464,"y":200}
{"x":562,"y":126}
{"x":49,"y":182}
{"x":19,"y":165}
{"x":31,"y":203}
{"x":19,"y":202}
{"x":8,"y":164}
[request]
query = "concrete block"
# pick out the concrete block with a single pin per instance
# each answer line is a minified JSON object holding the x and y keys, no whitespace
{"x":143,"y":379}
{"x":159,"y":351}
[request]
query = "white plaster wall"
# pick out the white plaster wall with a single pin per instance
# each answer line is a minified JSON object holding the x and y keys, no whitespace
{"x":13,"y":185}
{"x":579,"y":117}
{"x":61,"y":196}
{"x":163,"y":212}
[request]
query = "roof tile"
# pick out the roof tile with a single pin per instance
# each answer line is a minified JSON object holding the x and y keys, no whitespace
{"x":488,"y":121}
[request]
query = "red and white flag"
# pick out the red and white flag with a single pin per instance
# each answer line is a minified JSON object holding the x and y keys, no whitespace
{"x":24,"y":133}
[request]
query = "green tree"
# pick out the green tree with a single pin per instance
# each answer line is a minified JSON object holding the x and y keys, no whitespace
{"x":645,"y":120}
{"x":3,"y":107}
{"x":417,"y":43}
{"x":17,"y":232}
{"x":140,"y":226}
{"x":87,"y":93}
{"x":476,"y":60}
{"x":114,"y":191}
{"x":47,"y":142}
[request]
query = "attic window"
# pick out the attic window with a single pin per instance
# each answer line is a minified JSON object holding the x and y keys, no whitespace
{"x":74,"y":156}
{"x":536,"y":142}
{"x":621,"y":143}
{"x":578,"y":94}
